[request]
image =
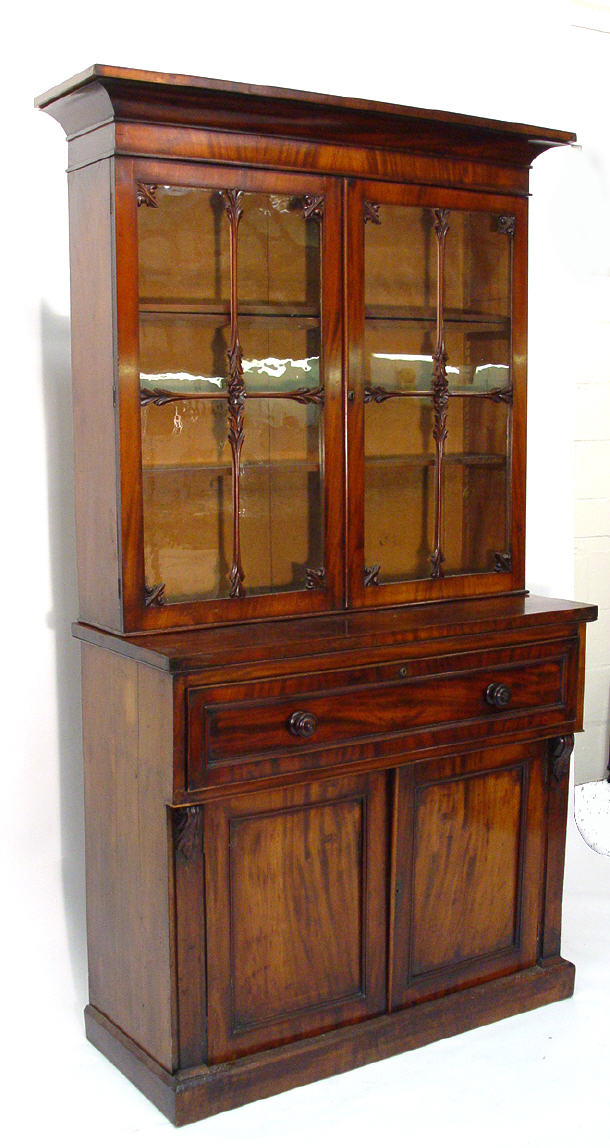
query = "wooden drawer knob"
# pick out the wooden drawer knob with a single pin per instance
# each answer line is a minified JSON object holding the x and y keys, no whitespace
{"x":302,"y":724}
{"x":498,"y":695}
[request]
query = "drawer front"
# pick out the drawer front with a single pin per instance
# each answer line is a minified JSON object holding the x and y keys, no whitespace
{"x":304,"y":717}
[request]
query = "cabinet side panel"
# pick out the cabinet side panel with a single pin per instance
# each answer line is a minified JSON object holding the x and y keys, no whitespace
{"x":91,"y":291}
{"x":127,"y":725}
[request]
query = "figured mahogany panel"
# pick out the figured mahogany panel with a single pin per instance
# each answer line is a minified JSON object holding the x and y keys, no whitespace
{"x":465,"y":882}
{"x":470,"y":841}
{"x":295,"y":903}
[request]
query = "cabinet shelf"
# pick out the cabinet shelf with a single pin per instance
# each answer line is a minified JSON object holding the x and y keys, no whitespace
{"x":427,"y":315}
{"x":219,"y":314}
{"x":284,"y":464}
{"x":425,"y":460}
{"x":277,"y":312}
{"x":308,"y":465}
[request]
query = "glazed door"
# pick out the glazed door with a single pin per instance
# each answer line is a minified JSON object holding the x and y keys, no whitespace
{"x":296,"y":911}
{"x":230,"y":385}
{"x":436,"y":329}
{"x":468,"y":874}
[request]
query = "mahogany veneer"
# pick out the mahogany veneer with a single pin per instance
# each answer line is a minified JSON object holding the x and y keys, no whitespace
{"x":327,"y":747}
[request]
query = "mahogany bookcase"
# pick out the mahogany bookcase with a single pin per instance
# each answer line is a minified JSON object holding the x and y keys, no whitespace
{"x":326,"y":730}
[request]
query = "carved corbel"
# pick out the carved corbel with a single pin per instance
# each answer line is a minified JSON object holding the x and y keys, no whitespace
{"x":188,"y":830}
{"x":560,"y":752}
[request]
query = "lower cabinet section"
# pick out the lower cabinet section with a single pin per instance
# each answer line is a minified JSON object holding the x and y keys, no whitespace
{"x":315,"y":906}
{"x":296,"y":886}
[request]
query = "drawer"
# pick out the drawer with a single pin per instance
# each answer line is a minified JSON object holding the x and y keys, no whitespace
{"x":304,"y":717}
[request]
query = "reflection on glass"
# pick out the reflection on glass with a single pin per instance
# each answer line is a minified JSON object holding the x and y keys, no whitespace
{"x":479,"y":360}
{"x":281,"y":357}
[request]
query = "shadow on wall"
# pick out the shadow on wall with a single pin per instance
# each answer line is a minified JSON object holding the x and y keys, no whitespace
{"x":57,"y":397}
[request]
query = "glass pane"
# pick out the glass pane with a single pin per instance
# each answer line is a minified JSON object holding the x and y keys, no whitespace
{"x":400,"y":299}
{"x":399,"y":488}
{"x":400,"y":262}
{"x":187,"y":489}
{"x":478,"y":362}
{"x":279,"y":254}
{"x":183,"y":247}
{"x":282,"y":502}
{"x":183,"y":354}
{"x":475,"y":485}
{"x":280,"y":356}
{"x":477,"y":266}
{"x":397,"y":356}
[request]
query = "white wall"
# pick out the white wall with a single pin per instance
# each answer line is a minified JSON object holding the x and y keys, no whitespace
{"x":517,"y":62}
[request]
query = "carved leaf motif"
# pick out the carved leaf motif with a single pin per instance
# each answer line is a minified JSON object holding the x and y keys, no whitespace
{"x":441,"y":221}
{"x":233,"y":206}
{"x":146,"y":195}
{"x":506,"y":224}
{"x":440,"y":393}
{"x":371,"y":212}
{"x":436,"y":561}
{"x":236,"y":578}
{"x":313,"y":206}
{"x":505,"y":395}
{"x":377,"y":394}
{"x":154,"y":595}
{"x":236,"y":392}
{"x":315,"y":578}
{"x":304,"y":395}
{"x":503,"y":562}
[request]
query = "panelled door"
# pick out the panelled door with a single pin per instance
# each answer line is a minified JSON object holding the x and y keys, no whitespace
{"x":468,"y":870}
{"x":436,"y":387}
{"x":296,"y":912}
{"x":229,"y":313}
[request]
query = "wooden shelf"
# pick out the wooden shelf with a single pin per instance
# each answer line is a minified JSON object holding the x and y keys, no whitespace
{"x":408,"y":460}
{"x":427,"y":315}
{"x":420,"y":460}
{"x":283,"y":464}
{"x":218,"y":314}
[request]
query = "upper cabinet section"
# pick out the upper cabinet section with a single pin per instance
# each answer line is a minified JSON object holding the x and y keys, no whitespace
{"x":234,"y":385}
{"x":436,"y":452}
{"x":299,"y":336}
{"x":232,"y":392}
